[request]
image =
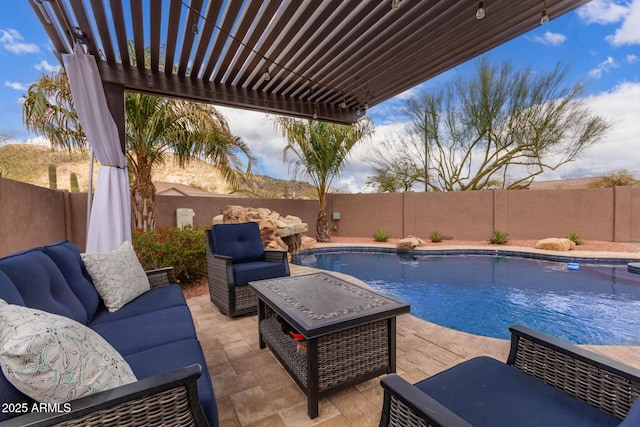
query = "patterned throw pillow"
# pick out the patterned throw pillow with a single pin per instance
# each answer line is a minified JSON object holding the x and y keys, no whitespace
{"x":117,"y":275}
{"x":54,"y":359}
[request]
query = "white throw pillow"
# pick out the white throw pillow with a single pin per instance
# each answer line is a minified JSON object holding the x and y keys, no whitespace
{"x":117,"y":275}
{"x":54,"y":359}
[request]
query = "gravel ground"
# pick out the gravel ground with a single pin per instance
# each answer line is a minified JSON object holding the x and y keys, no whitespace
{"x":202,"y":286}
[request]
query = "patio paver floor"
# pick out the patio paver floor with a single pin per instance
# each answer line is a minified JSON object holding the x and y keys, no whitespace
{"x":252,"y":389}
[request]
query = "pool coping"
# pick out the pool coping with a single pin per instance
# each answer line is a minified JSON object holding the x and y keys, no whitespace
{"x":523,"y":252}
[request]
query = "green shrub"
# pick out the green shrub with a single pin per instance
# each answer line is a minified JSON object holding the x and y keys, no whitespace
{"x":499,"y":238}
{"x":575,"y":238}
{"x":73,"y":183}
{"x":182,"y":249}
{"x":381,"y":235}
{"x":436,"y":237}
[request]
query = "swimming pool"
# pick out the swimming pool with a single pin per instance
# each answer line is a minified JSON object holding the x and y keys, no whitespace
{"x":484,"y":295}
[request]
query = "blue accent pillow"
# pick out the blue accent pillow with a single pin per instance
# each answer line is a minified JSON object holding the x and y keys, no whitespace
{"x":241,"y":242}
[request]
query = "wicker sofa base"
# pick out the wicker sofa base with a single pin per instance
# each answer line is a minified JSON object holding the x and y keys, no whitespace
{"x":333,"y":361}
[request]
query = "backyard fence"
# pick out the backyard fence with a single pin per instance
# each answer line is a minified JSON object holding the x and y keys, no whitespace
{"x":31,"y":215}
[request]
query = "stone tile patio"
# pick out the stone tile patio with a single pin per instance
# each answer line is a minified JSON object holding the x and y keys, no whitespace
{"x":252,"y":389}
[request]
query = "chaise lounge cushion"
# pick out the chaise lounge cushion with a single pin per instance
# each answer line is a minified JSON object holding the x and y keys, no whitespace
{"x":485,"y":391}
{"x":117,"y":275}
{"x":54,"y":359}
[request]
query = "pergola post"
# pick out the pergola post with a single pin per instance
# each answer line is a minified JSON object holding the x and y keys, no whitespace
{"x":114,"y":93}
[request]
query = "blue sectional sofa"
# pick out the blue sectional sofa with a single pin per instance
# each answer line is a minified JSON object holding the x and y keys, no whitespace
{"x":154,"y":333}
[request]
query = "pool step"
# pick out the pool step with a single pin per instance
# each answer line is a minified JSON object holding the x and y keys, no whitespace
{"x":634,"y":267}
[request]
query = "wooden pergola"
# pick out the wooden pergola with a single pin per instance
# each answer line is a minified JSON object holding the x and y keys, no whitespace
{"x":326,"y":59}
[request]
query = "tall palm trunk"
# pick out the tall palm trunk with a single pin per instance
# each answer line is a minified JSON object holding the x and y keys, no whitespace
{"x":143,"y":198}
{"x":322,"y":226}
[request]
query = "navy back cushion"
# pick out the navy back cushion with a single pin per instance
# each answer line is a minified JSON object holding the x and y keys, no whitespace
{"x":241,"y":242}
{"x":42,"y":285}
{"x":8,"y":290}
{"x":66,"y":255}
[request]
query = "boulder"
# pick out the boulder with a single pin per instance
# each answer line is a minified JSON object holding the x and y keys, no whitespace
{"x":555,"y":244}
{"x":277,"y":232}
{"x":410,"y":242}
{"x":307,"y":242}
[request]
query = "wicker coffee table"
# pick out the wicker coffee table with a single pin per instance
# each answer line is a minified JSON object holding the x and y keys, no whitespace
{"x":350,"y":331}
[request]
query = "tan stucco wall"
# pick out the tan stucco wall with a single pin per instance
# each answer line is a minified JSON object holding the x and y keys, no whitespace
{"x":31,"y":216}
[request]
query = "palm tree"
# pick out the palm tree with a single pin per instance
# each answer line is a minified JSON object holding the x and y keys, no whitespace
{"x":157,"y":130}
{"x":321,"y":149}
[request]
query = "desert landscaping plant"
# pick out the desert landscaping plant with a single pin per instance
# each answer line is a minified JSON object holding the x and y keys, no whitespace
{"x":575,"y":238}
{"x":381,"y":235}
{"x":436,"y":237}
{"x":499,"y":238}
{"x":182,"y":249}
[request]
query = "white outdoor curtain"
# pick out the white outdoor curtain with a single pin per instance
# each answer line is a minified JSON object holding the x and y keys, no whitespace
{"x":110,"y":221}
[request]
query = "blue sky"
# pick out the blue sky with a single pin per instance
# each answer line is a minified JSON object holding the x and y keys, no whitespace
{"x":600,"y":42}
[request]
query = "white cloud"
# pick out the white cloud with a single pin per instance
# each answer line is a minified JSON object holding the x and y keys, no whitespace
{"x":629,"y":31}
{"x":549,"y":38}
{"x":45,"y":66}
{"x":16,"y":85}
{"x":603,"y":67}
{"x":632,"y":59}
{"x":602,"y":12}
{"x":620,"y":149}
{"x":12,"y":41}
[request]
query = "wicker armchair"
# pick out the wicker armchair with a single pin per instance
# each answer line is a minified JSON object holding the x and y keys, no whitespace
{"x":545,"y":381}
{"x":235,"y":256}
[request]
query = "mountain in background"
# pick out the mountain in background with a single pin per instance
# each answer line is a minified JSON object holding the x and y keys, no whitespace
{"x":30,"y":163}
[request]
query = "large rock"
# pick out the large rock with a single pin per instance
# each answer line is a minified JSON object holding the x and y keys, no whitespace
{"x":277,"y":232}
{"x":409,"y":243}
{"x":555,"y":244}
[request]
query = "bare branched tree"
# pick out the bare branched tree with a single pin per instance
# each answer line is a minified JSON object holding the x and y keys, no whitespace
{"x":499,"y":128}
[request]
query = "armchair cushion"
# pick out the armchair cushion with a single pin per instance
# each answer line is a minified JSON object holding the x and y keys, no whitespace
{"x":241,"y":242}
{"x":257,"y":270}
{"x":485,"y":391}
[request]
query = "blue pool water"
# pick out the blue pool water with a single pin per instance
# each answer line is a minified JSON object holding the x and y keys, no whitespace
{"x":484,"y":295}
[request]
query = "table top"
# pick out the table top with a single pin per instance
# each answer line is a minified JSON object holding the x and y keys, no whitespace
{"x":320,"y":303}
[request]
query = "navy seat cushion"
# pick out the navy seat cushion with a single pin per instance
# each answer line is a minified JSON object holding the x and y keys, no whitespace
{"x":486,"y":392}
{"x":241,"y":242}
{"x":66,"y":255}
{"x":245,"y":272}
{"x":139,"y":333}
{"x":150,"y":301}
{"x":175,"y":355}
{"x":633,"y":416}
{"x":42,"y":285}
{"x":8,"y":290}
{"x":10,"y":394}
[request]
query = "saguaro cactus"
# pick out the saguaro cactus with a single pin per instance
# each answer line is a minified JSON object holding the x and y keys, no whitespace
{"x":53,"y":178}
{"x":73,"y":183}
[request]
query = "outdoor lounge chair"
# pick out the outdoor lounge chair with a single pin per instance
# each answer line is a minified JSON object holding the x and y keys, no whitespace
{"x":545,"y":382}
{"x":235,"y":256}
